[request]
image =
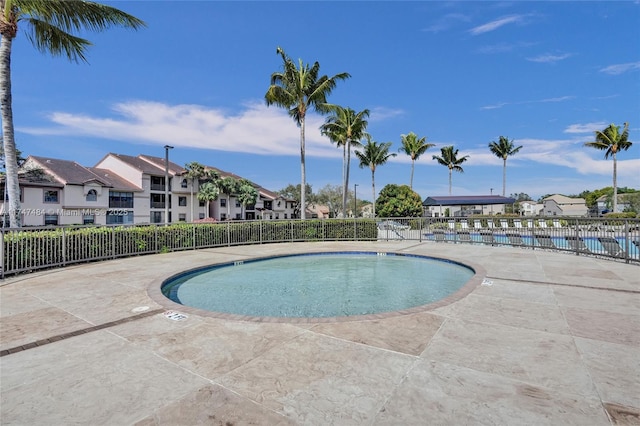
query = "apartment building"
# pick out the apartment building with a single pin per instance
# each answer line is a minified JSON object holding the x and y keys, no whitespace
{"x":123,"y":189}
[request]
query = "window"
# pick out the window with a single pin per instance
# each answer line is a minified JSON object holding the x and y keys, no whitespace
{"x":223,"y":216}
{"x":201,"y":215}
{"x":50,"y":196}
{"x":285,"y":215}
{"x":119,"y":217}
{"x":182,"y":217}
{"x":237,"y":204}
{"x":277,"y":215}
{"x":268,"y":205}
{"x":157,"y":183}
{"x":201,"y":203}
{"x":183,"y":184}
{"x":88,"y":219}
{"x":122,"y":200}
{"x":92,"y":195}
{"x":223,"y":202}
{"x":156,"y":201}
{"x":156,"y":217}
{"x":50,"y":219}
{"x":182,"y":201}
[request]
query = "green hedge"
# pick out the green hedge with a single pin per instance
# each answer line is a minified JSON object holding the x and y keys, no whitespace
{"x":35,"y":249}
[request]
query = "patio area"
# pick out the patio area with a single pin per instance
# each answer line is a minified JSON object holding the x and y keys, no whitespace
{"x":547,"y":338}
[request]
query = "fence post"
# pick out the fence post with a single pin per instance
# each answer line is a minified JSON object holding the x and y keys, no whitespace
{"x":64,"y":248}
{"x":627,"y":241}
{"x":2,"y":253}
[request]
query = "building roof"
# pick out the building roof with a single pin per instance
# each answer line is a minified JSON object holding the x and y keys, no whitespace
{"x":467,"y":200}
{"x":561,"y":199}
{"x":68,"y":172}
{"x":138,"y":163}
{"x":174,"y":168}
{"x":114,"y":181}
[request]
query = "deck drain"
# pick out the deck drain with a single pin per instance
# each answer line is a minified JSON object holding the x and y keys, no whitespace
{"x":140,"y":309}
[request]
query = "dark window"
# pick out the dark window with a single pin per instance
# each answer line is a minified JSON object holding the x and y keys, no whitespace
{"x":182,"y":201}
{"x":120,"y":200}
{"x":201,"y":215}
{"x":157,"y":183}
{"x":182,"y":217}
{"x":237,"y":204}
{"x":50,"y":219}
{"x":223,"y":202}
{"x":183,"y":183}
{"x":268,"y":205}
{"x":156,"y":201}
{"x":119,"y":217}
{"x":156,"y":217}
{"x":51,"y":196}
{"x":92,"y":195}
{"x":88,"y":219}
{"x":201,"y":203}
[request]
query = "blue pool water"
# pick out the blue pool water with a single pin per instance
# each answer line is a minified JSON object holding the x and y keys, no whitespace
{"x":319,"y":285}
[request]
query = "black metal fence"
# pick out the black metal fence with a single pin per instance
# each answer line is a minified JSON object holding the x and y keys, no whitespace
{"x":30,"y":249}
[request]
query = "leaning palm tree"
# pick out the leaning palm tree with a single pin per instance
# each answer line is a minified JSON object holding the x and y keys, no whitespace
{"x":504,"y":148}
{"x":300,"y":88}
{"x":195,"y":171}
{"x":414,"y":147}
{"x":49,"y":26}
{"x":374,"y":154}
{"x":449,"y":158}
{"x":612,"y":141}
{"x":345,"y":127}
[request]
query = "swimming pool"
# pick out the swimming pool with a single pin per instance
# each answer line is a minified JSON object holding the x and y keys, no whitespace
{"x":324,"y":285}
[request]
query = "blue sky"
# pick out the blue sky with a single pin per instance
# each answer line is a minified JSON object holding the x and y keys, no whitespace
{"x":545,"y":74}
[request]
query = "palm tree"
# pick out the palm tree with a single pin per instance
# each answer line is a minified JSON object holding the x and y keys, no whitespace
{"x":612,"y":141}
{"x":345,"y":127}
{"x":504,"y":148}
{"x":49,"y":25}
{"x":414,"y":147}
{"x":247,"y":194}
{"x":449,"y":158}
{"x":195,"y":171}
{"x":228,"y":186}
{"x":374,"y":154}
{"x":208,"y":192}
{"x":299,"y":88}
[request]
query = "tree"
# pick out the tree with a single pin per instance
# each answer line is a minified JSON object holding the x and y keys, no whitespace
{"x":247,"y":194}
{"x":398,"y":201}
{"x":228,"y":186}
{"x":331,"y":195}
{"x":208,"y":192}
{"x":293,"y":192}
{"x":345,"y":127}
{"x":298,"y":89}
{"x":504,"y":148}
{"x":449,"y":158}
{"x":611,"y":141}
{"x":374,"y":154}
{"x":414,"y":147}
{"x":50,"y":24}
{"x":195,"y":171}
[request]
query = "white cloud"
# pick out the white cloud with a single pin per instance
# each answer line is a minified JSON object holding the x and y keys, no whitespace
{"x":257,"y":129}
{"x":446,"y":22}
{"x":494,"y":25}
{"x":549,"y":58}
{"x":585,"y":128}
{"x":382,"y":113}
{"x":621,"y":68}
{"x":501,"y":104}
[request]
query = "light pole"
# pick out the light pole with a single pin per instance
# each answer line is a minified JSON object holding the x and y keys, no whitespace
{"x":166,"y":183}
{"x":355,"y":200}
{"x":492,"y":202}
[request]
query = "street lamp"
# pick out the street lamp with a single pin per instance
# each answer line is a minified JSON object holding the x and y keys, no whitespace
{"x":166,"y":183}
{"x":355,"y":199}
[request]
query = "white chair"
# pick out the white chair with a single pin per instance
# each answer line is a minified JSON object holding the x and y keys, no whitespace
{"x":517,"y":223}
{"x":464,"y":225}
{"x":542,"y":223}
{"x":504,"y":224}
{"x":477,"y":224}
{"x":556,"y":223}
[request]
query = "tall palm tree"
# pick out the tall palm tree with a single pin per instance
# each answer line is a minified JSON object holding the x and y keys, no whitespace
{"x":208,"y":192}
{"x":414,"y":147}
{"x":374,"y":154}
{"x":345,"y":127}
{"x":247,"y":194}
{"x":300,"y":88}
{"x":49,"y":26}
{"x":504,"y":148}
{"x":449,"y":157}
{"x":612,"y":141}
{"x":195,"y":171}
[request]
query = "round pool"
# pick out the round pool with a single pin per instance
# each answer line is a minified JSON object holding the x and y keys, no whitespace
{"x":319,"y":285}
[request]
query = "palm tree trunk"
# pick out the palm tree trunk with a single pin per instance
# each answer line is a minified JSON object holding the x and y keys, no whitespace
{"x":191,"y":200}
{"x":411,"y":180}
{"x":9,"y":143}
{"x":504,"y":176}
{"x":346,"y":178}
{"x":373,"y":190}
{"x":303,"y":176}
{"x":449,"y":181}
{"x":615,"y":183}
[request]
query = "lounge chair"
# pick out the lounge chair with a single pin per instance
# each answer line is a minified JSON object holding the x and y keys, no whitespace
{"x":515,"y":239}
{"x":545,"y":241}
{"x":577,"y":244}
{"x":542,"y":223}
{"x":490,"y":224}
{"x":612,"y":246}
{"x":452,"y":225}
{"x":517,"y":223}
{"x":464,"y":225}
{"x":504,"y":224}
{"x":556,"y":223}
{"x":477,"y":224}
{"x":487,"y":237}
{"x":530,"y":224}
{"x":438,"y":234}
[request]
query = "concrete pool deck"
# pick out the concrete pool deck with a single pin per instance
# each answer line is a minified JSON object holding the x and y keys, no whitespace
{"x":550,"y":338}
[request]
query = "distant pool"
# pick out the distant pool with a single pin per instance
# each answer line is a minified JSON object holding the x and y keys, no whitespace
{"x":319,"y":285}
